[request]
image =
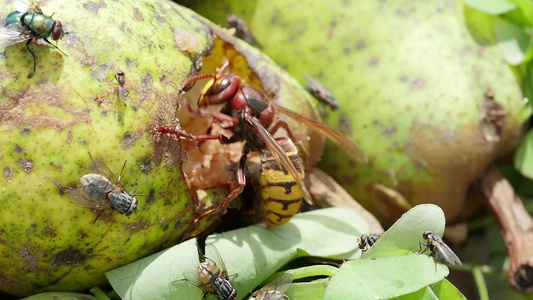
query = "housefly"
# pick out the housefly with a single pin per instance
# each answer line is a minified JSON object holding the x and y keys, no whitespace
{"x":212,"y":276}
{"x":29,"y":23}
{"x":439,"y":250}
{"x":275,"y":290}
{"x":368,"y":240}
{"x":101,"y":192}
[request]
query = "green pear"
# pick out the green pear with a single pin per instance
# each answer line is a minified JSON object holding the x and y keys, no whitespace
{"x":72,"y":117}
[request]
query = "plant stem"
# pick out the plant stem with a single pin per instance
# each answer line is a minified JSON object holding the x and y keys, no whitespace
{"x":480,"y":283}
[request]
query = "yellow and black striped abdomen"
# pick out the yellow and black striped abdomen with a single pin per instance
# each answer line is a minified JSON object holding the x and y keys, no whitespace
{"x":281,"y":194}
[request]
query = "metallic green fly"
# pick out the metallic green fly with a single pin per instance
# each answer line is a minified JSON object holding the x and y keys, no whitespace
{"x":29,"y":23}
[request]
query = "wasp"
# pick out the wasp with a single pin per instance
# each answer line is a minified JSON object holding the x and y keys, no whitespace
{"x":102,"y":192}
{"x":212,"y":276}
{"x":280,"y":200}
{"x":368,"y":240}
{"x":439,"y":250}
{"x":275,"y":290}
{"x":250,"y":116}
{"x":29,"y":23}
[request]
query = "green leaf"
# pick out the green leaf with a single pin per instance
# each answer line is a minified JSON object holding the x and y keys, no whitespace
{"x":155,"y":276}
{"x":251,"y":255}
{"x":384,"y":277}
{"x":313,"y":271}
{"x":442,"y":290}
{"x":60,"y":296}
{"x":403,"y":237}
{"x":480,"y":25}
{"x":314,"y":290}
{"x":523,"y":186}
{"x":526,"y":7}
{"x":493,"y":7}
{"x":512,"y":40}
{"x":526,"y":111}
{"x":523,"y":160}
{"x":445,"y":290}
{"x":526,"y":81}
{"x":389,"y":269}
{"x":422,"y":294}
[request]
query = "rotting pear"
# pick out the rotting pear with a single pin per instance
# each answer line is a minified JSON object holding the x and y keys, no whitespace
{"x":51,"y":122}
{"x":71,"y":109}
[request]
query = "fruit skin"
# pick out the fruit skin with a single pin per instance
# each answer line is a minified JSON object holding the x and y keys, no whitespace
{"x":411,"y":82}
{"x":50,"y":122}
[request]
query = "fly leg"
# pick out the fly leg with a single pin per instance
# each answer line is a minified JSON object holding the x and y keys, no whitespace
{"x":32,"y":55}
{"x":55,"y":47}
{"x":420,"y":243}
{"x":98,"y":216}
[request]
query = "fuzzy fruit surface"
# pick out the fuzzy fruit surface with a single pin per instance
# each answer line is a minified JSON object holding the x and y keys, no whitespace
{"x":51,"y":122}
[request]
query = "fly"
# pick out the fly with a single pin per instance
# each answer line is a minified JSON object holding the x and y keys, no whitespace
{"x":102,"y":192}
{"x":439,"y":250}
{"x":320,"y":92}
{"x":121,"y":90}
{"x":275,"y":290}
{"x":242,"y":30}
{"x":212,"y":277}
{"x":29,"y":23}
{"x":368,"y":240}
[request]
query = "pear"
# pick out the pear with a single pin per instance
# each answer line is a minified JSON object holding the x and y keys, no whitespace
{"x":92,"y":117}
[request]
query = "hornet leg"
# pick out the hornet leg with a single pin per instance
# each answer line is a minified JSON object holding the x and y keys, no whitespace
{"x":241,"y":178}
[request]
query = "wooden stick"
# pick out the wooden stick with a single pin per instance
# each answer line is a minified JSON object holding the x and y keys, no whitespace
{"x":516,"y":227}
{"x":326,"y":192}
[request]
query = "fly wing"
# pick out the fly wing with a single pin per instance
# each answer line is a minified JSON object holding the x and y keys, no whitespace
{"x":447,"y":255}
{"x":279,"y":155}
{"x":22,"y":5}
{"x":104,"y":169}
{"x":346,"y":144}
{"x":212,"y":254}
{"x":77,"y":197}
{"x":192,"y":277}
{"x":13,"y":33}
{"x":280,"y":284}
{"x":30,"y":6}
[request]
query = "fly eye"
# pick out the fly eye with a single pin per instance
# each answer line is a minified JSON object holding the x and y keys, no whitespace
{"x":128,"y":213}
{"x":57,"y":32}
{"x":425,"y":234}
